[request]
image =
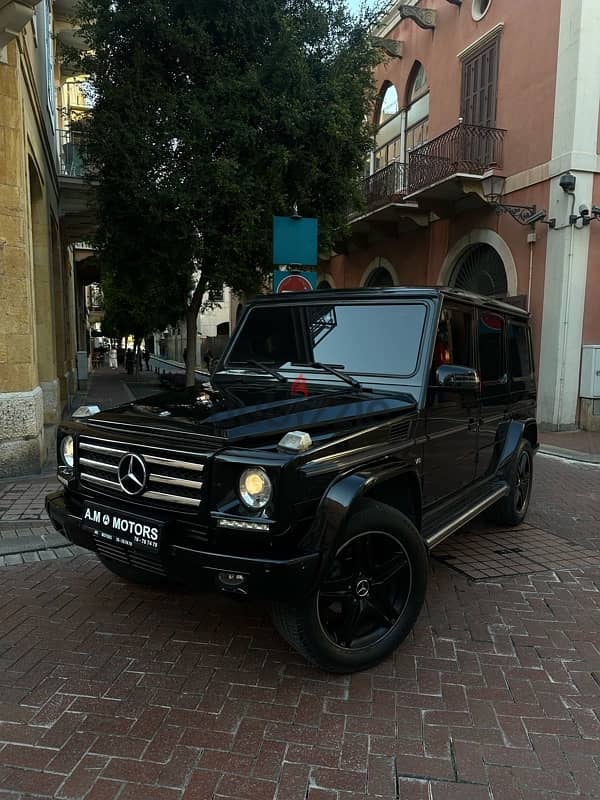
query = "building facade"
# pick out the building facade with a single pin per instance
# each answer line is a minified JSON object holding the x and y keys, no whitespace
{"x":43,"y":212}
{"x":487,"y":115}
{"x":216,"y":320}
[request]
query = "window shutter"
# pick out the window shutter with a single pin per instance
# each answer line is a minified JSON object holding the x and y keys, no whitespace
{"x":479,"y":87}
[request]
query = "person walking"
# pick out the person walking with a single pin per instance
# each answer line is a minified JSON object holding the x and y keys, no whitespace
{"x":208,"y":358}
{"x":112,"y":357}
{"x":129,"y":361}
{"x":147,"y":359}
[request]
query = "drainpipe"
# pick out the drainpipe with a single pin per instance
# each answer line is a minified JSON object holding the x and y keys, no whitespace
{"x":566,"y":319}
{"x":531,"y":240}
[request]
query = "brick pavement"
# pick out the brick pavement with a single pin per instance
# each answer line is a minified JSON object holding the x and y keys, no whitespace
{"x":109,"y":690}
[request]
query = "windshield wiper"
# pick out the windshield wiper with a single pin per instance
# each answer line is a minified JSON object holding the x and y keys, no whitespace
{"x":333,"y":371}
{"x":265,"y":369}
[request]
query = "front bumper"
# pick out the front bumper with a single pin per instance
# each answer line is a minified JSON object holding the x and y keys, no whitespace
{"x":277,"y":579}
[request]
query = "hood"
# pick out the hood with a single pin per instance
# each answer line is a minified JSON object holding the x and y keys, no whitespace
{"x":249,"y":410}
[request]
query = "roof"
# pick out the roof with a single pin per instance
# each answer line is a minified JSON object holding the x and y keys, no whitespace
{"x":389,"y":293}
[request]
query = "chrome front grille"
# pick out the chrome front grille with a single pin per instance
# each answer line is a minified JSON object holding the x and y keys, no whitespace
{"x":174,"y":477}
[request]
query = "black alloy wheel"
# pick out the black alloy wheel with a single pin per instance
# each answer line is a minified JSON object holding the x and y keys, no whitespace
{"x":512,"y":509}
{"x":523,"y":481}
{"x":365,"y":591}
{"x":368,"y":597}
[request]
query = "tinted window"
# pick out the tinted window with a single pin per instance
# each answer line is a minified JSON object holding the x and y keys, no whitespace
{"x":268,"y":335}
{"x":491,"y":346}
{"x":366,"y":339}
{"x":453,"y":340}
{"x":519,"y":352}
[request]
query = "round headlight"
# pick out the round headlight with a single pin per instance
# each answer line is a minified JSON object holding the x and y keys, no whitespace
{"x":255,"y":488}
{"x":66,"y":450}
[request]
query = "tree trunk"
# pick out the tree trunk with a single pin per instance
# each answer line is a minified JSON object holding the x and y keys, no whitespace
{"x":191,"y":325}
{"x":136,"y":357}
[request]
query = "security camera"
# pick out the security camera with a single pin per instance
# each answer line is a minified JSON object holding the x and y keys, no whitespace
{"x":596,"y":211}
{"x":567,"y":182}
{"x":584,"y":210}
{"x":537,"y":217}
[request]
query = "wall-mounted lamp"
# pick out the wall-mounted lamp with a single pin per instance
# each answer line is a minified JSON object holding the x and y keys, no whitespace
{"x":493,"y":188}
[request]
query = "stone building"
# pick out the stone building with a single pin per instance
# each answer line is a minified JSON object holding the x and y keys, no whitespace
{"x":43,"y":213}
{"x":487,"y":114}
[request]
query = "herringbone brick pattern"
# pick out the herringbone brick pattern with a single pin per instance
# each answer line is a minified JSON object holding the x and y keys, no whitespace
{"x":113,"y":691}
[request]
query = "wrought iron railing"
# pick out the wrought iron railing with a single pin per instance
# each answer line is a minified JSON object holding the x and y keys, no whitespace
{"x":385,"y":184}
{"x":70,"y":161}
{"x":471,"y":149}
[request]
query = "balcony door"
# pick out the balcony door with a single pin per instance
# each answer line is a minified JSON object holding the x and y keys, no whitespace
{"x":479,"y":87}
{"x":478,"y":105}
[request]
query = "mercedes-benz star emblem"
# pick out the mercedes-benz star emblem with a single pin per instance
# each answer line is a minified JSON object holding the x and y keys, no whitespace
{"x":132,"y":473}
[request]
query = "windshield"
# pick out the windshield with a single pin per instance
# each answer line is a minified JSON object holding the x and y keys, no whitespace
{"x":368,"y":339}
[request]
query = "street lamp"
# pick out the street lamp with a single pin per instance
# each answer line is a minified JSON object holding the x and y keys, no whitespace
{"x":492,"y":187}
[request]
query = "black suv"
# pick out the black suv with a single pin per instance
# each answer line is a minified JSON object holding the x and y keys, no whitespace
{"x":343,"y":435}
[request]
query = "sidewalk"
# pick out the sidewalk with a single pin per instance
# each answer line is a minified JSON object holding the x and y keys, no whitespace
{"x":575,"y":445}
{"x":26,"y":534}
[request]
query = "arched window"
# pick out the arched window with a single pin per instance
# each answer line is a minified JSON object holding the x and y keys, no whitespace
{"x":417,"y":111}
{"x":380,"y":277}
{"x":389,"y":104}
{"x":480,"y":269}
{"x":388,"y":140}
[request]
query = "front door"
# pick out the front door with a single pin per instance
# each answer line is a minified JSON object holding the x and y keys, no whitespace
{"x":451,"y":414}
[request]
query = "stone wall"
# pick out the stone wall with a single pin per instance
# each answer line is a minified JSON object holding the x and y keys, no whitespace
{"x":21,"y":432}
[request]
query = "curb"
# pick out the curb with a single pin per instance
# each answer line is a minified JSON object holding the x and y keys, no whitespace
{"x":568,"y":455}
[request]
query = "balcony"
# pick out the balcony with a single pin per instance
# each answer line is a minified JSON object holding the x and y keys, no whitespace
{"x":387,"y":213}
{"x":70,"y":162}
{"x":387,"y":185}
{"x":449,"y":168}
{"x":78,"y":219}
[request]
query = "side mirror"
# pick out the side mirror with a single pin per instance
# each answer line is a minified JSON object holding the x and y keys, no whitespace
{"x":456,"y":377}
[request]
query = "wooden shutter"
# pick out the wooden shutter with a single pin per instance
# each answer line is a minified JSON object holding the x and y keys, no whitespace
{"x":479,"y":85}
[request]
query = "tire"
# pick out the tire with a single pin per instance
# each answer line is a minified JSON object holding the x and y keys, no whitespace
{"x":132,"y":574}
{"x":367,"y":600}
{"x":511,"y":510}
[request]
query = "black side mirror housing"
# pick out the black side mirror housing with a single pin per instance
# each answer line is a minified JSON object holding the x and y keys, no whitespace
{"x":457,"y":377}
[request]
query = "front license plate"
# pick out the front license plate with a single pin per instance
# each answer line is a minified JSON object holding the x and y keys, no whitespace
{"x":122,"y":528}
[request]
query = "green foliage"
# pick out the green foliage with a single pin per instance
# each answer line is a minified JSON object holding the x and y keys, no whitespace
{"x":210,"y":117}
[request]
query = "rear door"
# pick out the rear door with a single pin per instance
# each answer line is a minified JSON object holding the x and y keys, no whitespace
{"x":521,"y":374}
{"x":493,"y":372}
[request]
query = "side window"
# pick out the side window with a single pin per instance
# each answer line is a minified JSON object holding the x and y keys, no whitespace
{"x":453,"y":344}
{"x":519,"y":351}
{"x":491,"y":347}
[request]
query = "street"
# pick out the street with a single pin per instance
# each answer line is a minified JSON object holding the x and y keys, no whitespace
{"x":109,"y":690}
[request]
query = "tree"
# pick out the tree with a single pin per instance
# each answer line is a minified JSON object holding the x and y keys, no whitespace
{"x":210,"y":117}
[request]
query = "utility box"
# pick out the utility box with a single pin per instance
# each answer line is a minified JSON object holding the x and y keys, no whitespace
{"x":590,"y":371}
{"x":82,"y":368}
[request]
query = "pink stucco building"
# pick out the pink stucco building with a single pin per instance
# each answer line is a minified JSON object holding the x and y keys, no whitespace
{"x":473,"y":91}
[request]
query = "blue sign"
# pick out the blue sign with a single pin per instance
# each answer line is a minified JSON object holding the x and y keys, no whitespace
{"x":284,"y":281}
{"x":295,"y":240}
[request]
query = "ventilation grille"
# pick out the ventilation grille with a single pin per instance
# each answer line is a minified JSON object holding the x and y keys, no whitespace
{"x":399,"y":431}
{"x":131,"y":558}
